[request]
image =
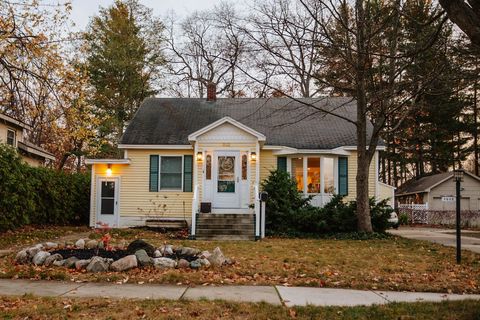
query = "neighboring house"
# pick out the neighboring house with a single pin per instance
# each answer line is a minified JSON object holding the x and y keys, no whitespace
{"x":12,"y":132}
{"x":186,"y":157}
{"x":437,"y":193}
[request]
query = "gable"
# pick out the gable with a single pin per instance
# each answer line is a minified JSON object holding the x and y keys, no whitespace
{"x":226,"y":132}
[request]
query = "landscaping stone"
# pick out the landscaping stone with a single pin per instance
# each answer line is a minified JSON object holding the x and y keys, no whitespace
{"x":164,"y":263}
{"x":183,"y":264}
{"x":143,"y":258}
{"x":205,"y":255}
{"x":124,"y":264}
{"x":195,"y":264}
{"x":157,"y":254}
{"x":80,"y":244}
{"x":166,"y":250}
{"x":217,"y":259}
{"x":50,"y":245}
{"x":98,"y":264}
{"x":204,"y":262}
{"x":139,"y":245}
{"x":40,"y":258}
{"x":59,"y":263}
{"x":51,"y":259}
{"x":91,"y":244}
{"x":70,"y":262}
{"x":32,"y":251}
{"x":22,"y":257}
{"x":82,"y":264}
{"x":187,"y":252}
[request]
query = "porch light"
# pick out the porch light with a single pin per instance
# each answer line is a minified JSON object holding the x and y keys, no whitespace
{"x":253,"y":156}
{"x":109,"y":170}
{"x":199,"y":156}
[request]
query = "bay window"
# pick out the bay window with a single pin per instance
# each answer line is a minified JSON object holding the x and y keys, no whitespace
{"x":314,"y":174}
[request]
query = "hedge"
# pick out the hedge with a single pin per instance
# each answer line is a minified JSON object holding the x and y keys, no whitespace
{"x":40,"y":196}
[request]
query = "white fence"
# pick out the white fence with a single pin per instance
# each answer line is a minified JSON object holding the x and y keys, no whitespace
{"x":413,"y":206}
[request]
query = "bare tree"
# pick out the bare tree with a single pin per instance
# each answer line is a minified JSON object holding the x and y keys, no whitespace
{"x":284,"y":38}
{"x":466,"y":15}
{"x":206,"y":49}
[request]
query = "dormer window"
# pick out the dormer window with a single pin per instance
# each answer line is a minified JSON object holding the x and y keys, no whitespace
{"x":11,"y":137}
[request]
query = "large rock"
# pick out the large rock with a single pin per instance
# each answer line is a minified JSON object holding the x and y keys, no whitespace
{"x":22,"y":257}
{"x":51,"y":259}
{"x":125,"y":263}
{"x":183,"y":264}
{"x":204,"y":262}
{"x":91,"y":244}
{"x":166,"y":250}
{"x":32,"y":251}
{"x":143,"y":259}
{"x":157,"y":254}
{"x":205,"y":255}
{"x":40,"y":258}
{"x":50,"y":245}
{"x":82,"y":264}
{"x":217,"y":259}
{"x":98,"y":264}
{"x":59,"y":263}
{"x":195,"y":264}
{"x":139,"y":244}
{"x":70,"y":262}
{"x":80,"y":244}
{"x":188,"y":253}
{"x":164,"y":263}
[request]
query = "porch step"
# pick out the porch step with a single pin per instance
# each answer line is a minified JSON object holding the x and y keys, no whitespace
{"x":225,"y":227}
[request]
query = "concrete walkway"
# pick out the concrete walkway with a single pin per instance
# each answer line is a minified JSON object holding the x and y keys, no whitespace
{"x":441,"y":236}
{"x":289,"y":296}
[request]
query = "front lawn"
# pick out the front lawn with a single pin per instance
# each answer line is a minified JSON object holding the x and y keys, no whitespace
{"x":61,"y":308}
{"x":386,"y":264}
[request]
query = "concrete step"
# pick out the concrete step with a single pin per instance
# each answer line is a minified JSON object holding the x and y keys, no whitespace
{"x":226,"y":221}
{"x":224,"y":232}
{"x":248,"y":226}
{"x":224,"y":215}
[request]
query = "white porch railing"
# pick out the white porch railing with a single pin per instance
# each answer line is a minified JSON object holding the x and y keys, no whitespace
{"x":320,"y":199}
{"x":413,"y":206}
{"x":195,"y":203}
{"x":256,"y":190}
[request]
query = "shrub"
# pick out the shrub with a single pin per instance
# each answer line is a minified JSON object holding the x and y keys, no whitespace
{"x":39,"y":195}
{"x":289,"y":213}
{"x":403,"y":218}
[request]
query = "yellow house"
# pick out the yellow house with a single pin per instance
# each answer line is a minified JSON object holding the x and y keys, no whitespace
{"x":202,"y":162}
{"x":12,"y":132}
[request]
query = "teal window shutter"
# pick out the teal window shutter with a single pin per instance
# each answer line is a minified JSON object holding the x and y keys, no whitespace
{"x":282,"y":164}
{"x":187,"y":173}
{"x":342,"y":176}
{"x":153,"y":173}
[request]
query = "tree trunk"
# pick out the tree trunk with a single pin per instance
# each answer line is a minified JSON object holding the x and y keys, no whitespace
{"x":363,"y":163}
{"x":475,"y":129}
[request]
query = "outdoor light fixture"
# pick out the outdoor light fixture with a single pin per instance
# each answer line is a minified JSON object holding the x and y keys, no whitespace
{"x":109,"y":170}
{"x":458,"y":175}
{"x":253,"y":156}
{"x":199,"y":156}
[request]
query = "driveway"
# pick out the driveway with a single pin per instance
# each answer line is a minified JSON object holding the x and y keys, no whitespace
{"x":470,"y":239}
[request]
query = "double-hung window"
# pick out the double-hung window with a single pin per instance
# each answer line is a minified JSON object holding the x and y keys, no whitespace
{"x":11,"y":137}
{"x":316,"y":174}
{"x":170,"y":173}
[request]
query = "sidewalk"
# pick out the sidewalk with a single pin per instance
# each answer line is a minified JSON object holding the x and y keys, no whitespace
{"x":290,"y":296}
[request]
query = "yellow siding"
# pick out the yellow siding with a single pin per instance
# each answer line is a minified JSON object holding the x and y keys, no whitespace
{"x":385,"y":192}
{"x":32,"y":161}
{"x":268,"y":162}
{"x":3,"y":133}
{"x":135,"y":199}
{"x":352,"y":177}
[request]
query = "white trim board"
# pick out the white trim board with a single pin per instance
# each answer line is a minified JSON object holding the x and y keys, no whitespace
{"x":196,"y":134}
{"x":107,"y":161}
{"x":156,"y":146}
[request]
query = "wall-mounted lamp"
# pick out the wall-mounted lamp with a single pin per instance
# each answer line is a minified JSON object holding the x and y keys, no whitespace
{"x":253,"y":156}
{"x":199,"y":156}
{"x":109,"y":170}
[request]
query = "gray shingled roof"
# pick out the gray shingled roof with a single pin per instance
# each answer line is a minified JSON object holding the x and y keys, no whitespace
{"x":422,"y":184}
{"x":283,"y":121}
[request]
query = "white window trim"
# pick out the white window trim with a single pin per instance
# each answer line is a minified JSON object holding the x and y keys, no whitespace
{"x":14,"y":136}
{"x":160,"y":172}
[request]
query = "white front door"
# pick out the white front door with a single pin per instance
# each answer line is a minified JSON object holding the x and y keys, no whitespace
{"x":226,"y":182}
{"x":107,"y":201}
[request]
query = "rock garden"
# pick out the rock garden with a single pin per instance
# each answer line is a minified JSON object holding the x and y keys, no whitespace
{"x":98,"y":256}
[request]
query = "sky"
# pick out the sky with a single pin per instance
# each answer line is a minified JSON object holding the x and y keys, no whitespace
{"x":82,"y":10}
